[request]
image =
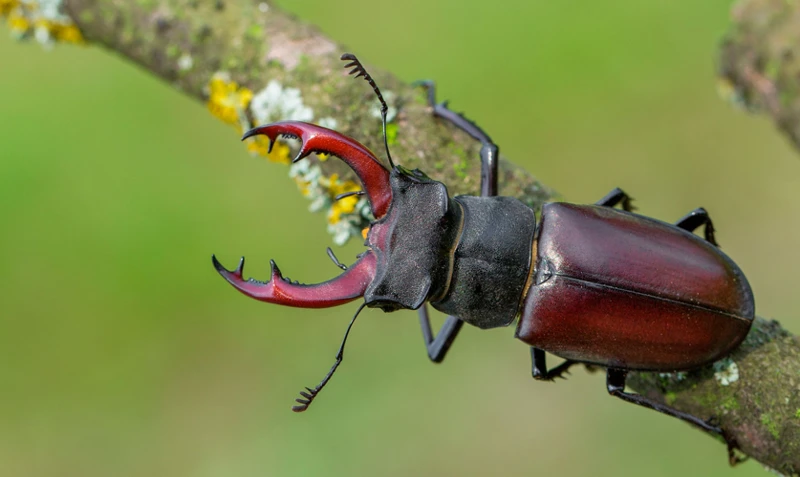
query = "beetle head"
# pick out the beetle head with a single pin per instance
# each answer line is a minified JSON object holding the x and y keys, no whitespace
{"x":409,"y":245}
{"x":413,"y":229}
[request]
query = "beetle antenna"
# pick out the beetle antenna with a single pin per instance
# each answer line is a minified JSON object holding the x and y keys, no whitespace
{"x":359,"y":68}
{"x":308,"y":397}
{"x":336,"y":260}
{"x":344,"y":195}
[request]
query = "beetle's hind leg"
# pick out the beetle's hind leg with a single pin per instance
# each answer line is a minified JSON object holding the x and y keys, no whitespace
{"x":615,"y":383}
{"x":489,"y":150}
{"x":695,"y":219}
{"x":617,"y":196}
{"x":539,"y":369}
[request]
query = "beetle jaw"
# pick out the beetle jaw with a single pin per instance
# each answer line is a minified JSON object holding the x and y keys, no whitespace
{"x":345,"y":288}
{"x":373,"y":176}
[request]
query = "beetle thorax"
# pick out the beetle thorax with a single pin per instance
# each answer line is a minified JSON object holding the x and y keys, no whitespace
{"x":491,"y":261}
{"x":468,"y":256}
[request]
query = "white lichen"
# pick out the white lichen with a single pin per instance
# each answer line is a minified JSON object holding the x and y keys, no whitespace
{"x":773,"y":471}
{"x":343,"y":231}
{"x":49,"y":10}
{"x":676,"y":377}
{"x":274,"y":103}
{"x":42,"y":36}
{"x":328,"y":122}
{"x":726,"y":371}
{"x":185,"y":62}
{"x":389,"y":97}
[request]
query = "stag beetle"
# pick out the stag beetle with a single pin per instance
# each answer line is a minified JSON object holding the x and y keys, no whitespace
{"x":589,"y":283}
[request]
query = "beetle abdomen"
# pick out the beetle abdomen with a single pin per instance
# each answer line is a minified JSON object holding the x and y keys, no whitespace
{"x":623,"y":290}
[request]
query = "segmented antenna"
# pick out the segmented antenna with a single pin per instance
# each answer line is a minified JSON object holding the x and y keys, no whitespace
{"x":308,"y":397}
{"x":359,"y":68}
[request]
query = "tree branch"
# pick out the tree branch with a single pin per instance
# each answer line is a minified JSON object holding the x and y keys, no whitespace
{"x":253,"y":63}
{"x":760,"y":60}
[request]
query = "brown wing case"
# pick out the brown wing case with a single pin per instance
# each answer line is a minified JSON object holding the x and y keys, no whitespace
{"x":623,"y":290}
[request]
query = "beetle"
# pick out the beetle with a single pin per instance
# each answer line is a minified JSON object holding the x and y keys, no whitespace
{"x":592,"y":284}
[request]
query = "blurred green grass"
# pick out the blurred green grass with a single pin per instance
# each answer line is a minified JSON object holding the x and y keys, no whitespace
{"x":125,"y":354}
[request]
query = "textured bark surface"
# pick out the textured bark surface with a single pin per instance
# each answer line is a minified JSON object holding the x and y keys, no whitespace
{"x":760,"y":61}
{"x":754,"y":395}
{"x":254,"y":42}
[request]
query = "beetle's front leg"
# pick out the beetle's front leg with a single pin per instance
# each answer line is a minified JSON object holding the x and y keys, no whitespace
{"x":539,"y":369}
{"x":489,"y":150}
{"x":438,"y":345}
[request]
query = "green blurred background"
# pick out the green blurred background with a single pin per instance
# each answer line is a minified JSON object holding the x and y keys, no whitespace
{"x":125,"y":354}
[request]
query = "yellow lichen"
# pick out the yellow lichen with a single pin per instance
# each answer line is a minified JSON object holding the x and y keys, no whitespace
{"x":342,"y":206}
{"x":18,"y":23}
{"x":62,"y":32}
{"x":7,"y":5}
{"x":47,"y":24}
{"x":67,"y":34}
{"x":303,"y":186}
{"x":227,"y":100}
{"x":259,"y":145}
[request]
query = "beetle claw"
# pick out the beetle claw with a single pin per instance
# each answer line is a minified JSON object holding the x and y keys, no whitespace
{"x":239,"y":268}
{"x":274,"y":270}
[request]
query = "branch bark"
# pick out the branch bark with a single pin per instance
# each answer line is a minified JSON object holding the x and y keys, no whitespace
{"x":760,"y":61}
{"x":222,"y":52}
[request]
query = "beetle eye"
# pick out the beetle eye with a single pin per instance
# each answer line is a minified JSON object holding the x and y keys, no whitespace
{"x":385,"y":306}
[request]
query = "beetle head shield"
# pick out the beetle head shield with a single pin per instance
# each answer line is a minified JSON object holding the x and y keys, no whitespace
{"x":413,"y":243}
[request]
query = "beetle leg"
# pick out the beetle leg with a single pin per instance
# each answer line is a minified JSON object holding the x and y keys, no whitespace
{"x":615,"y":383}
{"x":439,"y":345}
{"x":695,"y":219}
{"x":489,"y":150}
{"x":539,"y":369}
{"x":617,"y":196}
